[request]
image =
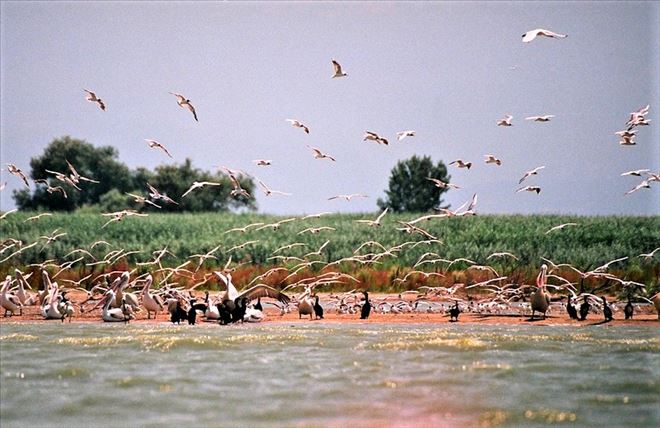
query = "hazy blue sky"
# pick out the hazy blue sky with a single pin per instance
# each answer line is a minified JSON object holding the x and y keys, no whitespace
{"x":446,"y":70}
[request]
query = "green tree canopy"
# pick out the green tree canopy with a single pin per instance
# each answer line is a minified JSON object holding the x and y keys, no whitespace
{"x":409,"y":188}
{"x":116,"y":179}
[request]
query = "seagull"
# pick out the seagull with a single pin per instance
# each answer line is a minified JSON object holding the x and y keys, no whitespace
{"x":7,"y":213}
{"x":636,"y":173}
{"x":119,"y":216}
{"x":63,"y":178}
{"x":268,"y":191}
{"x":237,"y":190}
{"x":92,"y":98}
{"x":372,"y":136}
{"x":318,"y":154}
{"x":262,"y":162}
{"x":643,"y":185}
{"x":506,"y":121}
{"x":243,"y":229}
{"x":337,"y":69}
{"x":315,"y":230}
{"x":400,"y":136}
{"x":298,"y":124}
{"x":154,"y":193}
{"x":461,"y":164}
{"x":534,"y":171}
{"x":637,"y":117}
{"x":627,"y":137}
{"x":650,"y":255}
{"x":142,"y":200}
{"x":183,"y":101}
{"x":75,"y":177}
{"x":493,"y":159}
{"x":37,"y":217}
{"x":374,"y":223}
{"x":441,"y":184}
{"x":156,"y":145}
{"x":348,"y":197}
{"x":545,"y":118}
{"x":561,"y":226}
{"x":532,"y":34}
{"x":318,"y":215}
{"x":13,"y":169}
{"x":536,"y":189}
{"x":199,"y":184}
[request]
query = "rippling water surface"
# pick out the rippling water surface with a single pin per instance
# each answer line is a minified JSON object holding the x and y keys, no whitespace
{"x":328,"y":375}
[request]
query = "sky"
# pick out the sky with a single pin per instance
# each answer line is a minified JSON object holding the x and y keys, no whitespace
{"x":448,"y":71}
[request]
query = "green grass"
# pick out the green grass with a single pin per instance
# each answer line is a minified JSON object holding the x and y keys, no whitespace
{"x":595,"y":241}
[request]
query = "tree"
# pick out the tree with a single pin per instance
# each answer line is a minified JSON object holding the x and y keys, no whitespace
{"x":409,"y":187}
{"x":97,"y":163}
{"x":116,"y":179}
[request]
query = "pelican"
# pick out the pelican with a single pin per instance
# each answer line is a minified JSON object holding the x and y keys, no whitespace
{"x":51,"y":308}
{"x":9,"y":302}
{"x":231,"y":296}
{"x":337,"y":69}
{"x":656,"y":302}
{"x":156,"y":145}
{"x":152,"y":303}
{"x":306,"y":304}
{"x":92,"y":98}
{"x":183,"y":101}
{"x":506,"y":121}
{"x":298,"y":124}
{"x":540,"y":300}
{"x":540,"y":32}
{"x":112,"y":315}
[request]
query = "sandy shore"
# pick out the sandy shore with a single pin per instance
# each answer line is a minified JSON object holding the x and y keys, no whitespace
{"x":32,"y":314}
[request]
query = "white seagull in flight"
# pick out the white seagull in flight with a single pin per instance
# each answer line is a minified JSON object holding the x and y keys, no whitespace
{"x":183,"y":101}
{"x":337,"y":69}
{"x":540,"y":32}
{"x":156,"y":145}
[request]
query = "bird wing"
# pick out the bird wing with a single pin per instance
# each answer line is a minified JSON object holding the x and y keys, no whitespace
{"x":189,"y":190}
{"x":336,"y":66}
{"x":192,"y":110}
{"x":262,"y":290}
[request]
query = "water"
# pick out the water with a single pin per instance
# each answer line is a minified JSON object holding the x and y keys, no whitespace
{"x":313,"y":374}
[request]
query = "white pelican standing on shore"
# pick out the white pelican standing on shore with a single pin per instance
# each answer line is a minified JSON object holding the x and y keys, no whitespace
{"x":152,"y":303}
{"x":8,"y":301}
{"x":540,"y":300}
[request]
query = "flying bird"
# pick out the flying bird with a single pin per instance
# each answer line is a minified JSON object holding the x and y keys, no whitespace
{"x":337,"y":69}
{"x":198,"y":185}
{"x":529,"y":173}
{"x":506,"y":121}
{"x":13,"y":169}
{"x":545,"y":118}
{"x":374,"y":223}
{"x":561,"y":226}
{"x":372,"y":136}
{"x":77,"y":178}
{"x":183,"y":101}
{"x":536,"y":189}
{"x":237,"y":190}
{"x":493,"y":159}
{"x":298,"y":124}
{"x":540,"y":32}
{"x":461,"y":164}
{"x":400,"y":136}
{"x":262,"y":162}
{"x":348,"y":197}
{"x":92,"y":98}
{"x":155,"y":194}
{"x":156,"y":145}
{"x":643,"y":185}
{"x":142,"y":200}
{"x":268,"y":191}
{"x":318,"y":154}
{"x":636,"y":173}
{"x":441,"y":184}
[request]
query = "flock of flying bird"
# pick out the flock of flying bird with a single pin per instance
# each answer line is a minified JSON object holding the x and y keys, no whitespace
{"x":110,"y":291}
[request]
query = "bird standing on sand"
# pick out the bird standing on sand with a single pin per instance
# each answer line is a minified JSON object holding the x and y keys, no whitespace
{"x":540,"y":300}
{"x":628,"y":310}
{"x":607,"y":311}
{"x":454,"y":312}
{"x":572,"y":312}
{"x":318,"y":309}
{"x":584,"y":309}
{"x":366,"y":307}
